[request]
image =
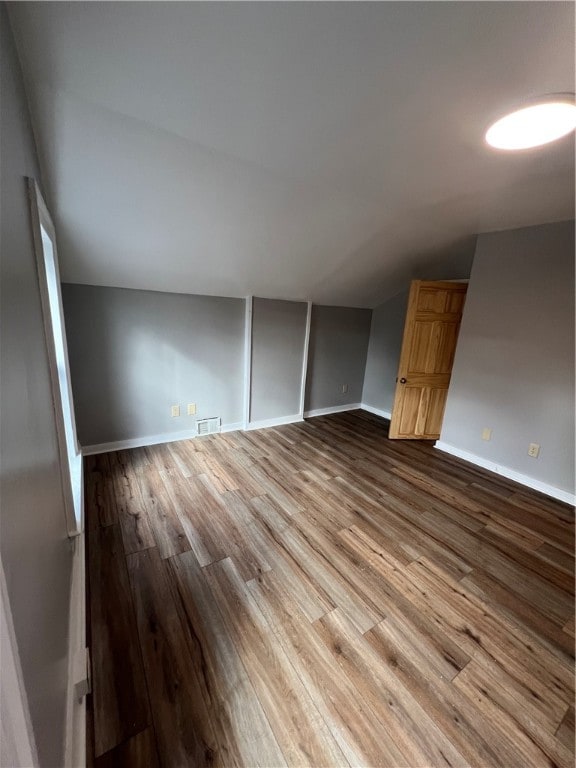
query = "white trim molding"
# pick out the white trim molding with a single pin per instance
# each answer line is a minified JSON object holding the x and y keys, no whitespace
{"x":511,"y":474}
{"x":331,"y":409}
{"x":17,"y":745}
{"x":248,"y":360}
{"x":376,"y":411}
{"x":55,"y":336}
{"x":141,"y":442}
{"x":173,"y":437}
{"x":232,"y":427}
{"x":305,"y":358}
{"x":265,"y":423}
{"x":78,"y":675}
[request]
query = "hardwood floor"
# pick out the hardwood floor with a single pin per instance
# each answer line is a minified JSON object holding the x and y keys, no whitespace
{"x":318,"y":595}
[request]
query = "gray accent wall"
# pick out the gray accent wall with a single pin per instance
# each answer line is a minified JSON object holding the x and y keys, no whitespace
{"x":133,"y":354}
{"x":336,"y":356}
{"x":36,"y":552}
{"x":384,"y":352}
{"x":278,"y":335}
{"x":514,"y":365}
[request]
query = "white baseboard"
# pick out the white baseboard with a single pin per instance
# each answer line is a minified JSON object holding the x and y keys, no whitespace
{"x":140,"y":442}
{"x":232,"y":427}
{"x":331,"y":409}
{"x":511,"y":474}
{"x":75,"y":743}
{"x":264,"y":423}
{"x":376,"y":411}
{"x":172,"y":437}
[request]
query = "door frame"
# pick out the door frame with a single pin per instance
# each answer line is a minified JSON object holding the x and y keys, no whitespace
{"x":18,"y":745}
{"x":41,"y":220}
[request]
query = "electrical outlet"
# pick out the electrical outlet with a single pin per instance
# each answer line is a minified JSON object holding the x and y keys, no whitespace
{"x":533,"y":450}
{"x":344,"y":388}
{"x":487,"y":433}
{"x":191,"y":410}
{"x":175,"y":410}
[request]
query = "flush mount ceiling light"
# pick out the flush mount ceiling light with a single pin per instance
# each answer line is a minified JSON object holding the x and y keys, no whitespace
{"x":539,"y":123}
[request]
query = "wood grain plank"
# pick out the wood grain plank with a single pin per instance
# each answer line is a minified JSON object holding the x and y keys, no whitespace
{"x":270,"y":513}
{"x":297,"y":724}
{"x":240,"y":546}
{"x":241,"y":726}
{"x":402,"y":717}
{"x":182,"y":724}
{"x":167,"y":529}
{"x":100,"y":497}
{"x":557,"y":557}
{"x":355,"y":728}
{"x":139,"y":750}
{"x":485,"y":633}
{"x":318,"y":567}
{"x":403,"y":523}
{"x":520,"y":611}
{"x":514,"y":715}
{"x":132,"y":515}
{"x":477,"y":739}
{"x":309,"y":596}
{"x":565,"y":732}
{"x":120,"y":697}
{"x":481,"y":633}
{"x":316,"y":594}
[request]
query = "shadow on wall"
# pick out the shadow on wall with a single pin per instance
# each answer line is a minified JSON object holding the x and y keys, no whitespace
{"x":337,"y":353}
{"x":134,"y":354}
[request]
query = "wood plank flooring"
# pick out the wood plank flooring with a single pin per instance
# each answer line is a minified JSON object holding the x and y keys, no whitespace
{"x":318,"y":595}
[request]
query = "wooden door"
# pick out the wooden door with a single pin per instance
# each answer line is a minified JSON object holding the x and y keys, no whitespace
{"x":428,"y":347}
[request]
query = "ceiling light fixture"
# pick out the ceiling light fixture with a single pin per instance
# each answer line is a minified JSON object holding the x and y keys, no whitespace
{"x":541,"y":122}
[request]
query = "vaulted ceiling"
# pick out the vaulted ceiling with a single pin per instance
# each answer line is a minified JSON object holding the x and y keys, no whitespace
{"x":323,"y":151}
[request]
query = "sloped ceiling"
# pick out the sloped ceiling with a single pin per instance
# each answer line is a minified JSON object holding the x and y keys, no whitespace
{"x":323,"y":151}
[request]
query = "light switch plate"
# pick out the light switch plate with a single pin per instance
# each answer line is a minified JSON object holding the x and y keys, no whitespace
{"x":191,"y":409}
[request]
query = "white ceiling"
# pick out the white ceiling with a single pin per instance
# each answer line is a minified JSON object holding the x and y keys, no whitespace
{"x":323,"y":151}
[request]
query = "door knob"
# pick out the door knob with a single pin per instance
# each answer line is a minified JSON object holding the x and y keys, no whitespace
{"x":402,"y":380}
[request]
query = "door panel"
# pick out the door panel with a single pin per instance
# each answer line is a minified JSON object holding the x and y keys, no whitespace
{"x":431,"y":300}
{"x":456,"y":301}
{"x":419,"y":351}
{"x":436,"y":410}
{"x":409,"y":409}
{"x":444,"y":358}
{"x":428,"y":348}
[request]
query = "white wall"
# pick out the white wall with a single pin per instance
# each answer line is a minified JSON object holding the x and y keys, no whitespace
{"x":514,"y":365}
{"x":36,"y":552}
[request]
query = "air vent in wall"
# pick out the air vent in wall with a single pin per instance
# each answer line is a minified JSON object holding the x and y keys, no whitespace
{"x":208,"y":426}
